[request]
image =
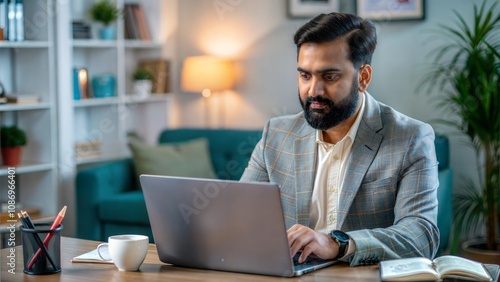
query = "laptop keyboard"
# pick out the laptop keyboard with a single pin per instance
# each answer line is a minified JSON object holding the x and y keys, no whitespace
{"x":309,"y":260}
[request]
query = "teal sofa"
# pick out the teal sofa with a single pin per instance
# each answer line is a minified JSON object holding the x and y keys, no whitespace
{"x":109,"y":200}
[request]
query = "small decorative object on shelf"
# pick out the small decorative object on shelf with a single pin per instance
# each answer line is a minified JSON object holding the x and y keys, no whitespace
{"x":106,"y":12}
{"x":80,"y":84}
{"x":142,"y":82}
{"x":12,"y":138}
{"x":103,"y":86}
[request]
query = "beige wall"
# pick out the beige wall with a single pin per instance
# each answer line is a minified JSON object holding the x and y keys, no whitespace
{"x":257,"y":35}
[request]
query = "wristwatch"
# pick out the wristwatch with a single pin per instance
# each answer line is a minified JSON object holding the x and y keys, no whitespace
{"x":342,"y":239}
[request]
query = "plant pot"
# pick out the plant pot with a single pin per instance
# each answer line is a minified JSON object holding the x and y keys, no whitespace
{"x":142,"y":88}
{"x":107,"y":33}
{"x":11,"y":156}
{"x":475,"y":249}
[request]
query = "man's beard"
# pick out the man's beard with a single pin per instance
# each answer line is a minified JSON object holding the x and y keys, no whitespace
{"x":333,"y":114}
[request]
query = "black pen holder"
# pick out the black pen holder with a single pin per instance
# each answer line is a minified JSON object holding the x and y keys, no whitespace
{"x":38,"y":259}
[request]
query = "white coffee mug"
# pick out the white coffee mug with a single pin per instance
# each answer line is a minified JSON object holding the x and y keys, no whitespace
{"x":126,"y":251}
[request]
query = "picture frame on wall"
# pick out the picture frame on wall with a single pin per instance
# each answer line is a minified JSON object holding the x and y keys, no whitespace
{"x":311,"y":8}
{"x":391,"y":10}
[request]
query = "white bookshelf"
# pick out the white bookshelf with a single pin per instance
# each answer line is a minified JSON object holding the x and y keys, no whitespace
{"x":95,"y":102}
{"x":26,"y":44}
{"x":4,"y":108}
{"x":29,"y":167}
{"x":108,"y":120}
{"x":29,"y":67}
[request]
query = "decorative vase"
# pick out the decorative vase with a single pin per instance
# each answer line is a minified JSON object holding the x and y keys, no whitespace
{"x":475,"y":249}
{"x":103,"y":86}
{"x":11,"y":156}
{"x":107,"y":33}
{"x":143,"y":87}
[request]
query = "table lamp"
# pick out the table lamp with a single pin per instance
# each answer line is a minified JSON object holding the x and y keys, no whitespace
{"x":207,"y":75}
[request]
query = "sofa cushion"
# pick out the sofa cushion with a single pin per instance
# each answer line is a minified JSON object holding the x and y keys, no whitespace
{"x":230,"y":149}
{"x":128,"y":207}
{"x":188,"y":159}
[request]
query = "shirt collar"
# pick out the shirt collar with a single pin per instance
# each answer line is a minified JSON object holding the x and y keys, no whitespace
{"x":354,"y":128}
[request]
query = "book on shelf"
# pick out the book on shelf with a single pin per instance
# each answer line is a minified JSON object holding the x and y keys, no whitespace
{"x":3,"y":19}
{"x":448,"y":268}
{"x":22,"y":98}
{"x":11,"y":20}
{"x":81,"y":30}
{"x":88,"y":149}
{"x":88,"y":154}
{"x":131,"y":25}
{"x":141,"y":22}
{"x":19,"y":9}
{"x":136,"y":26}
{"x":159,"y":68}
{"x":129,"y":33}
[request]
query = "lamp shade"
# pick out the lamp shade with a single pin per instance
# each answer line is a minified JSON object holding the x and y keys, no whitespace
{"x":206,"y":72}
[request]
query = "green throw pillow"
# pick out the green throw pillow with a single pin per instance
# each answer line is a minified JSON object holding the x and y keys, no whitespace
{"x":188,"y":159}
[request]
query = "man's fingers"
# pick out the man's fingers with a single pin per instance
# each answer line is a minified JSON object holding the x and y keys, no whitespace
{"x":306,"y":251}
{"x":310,"y":243}
{"x":296,"y":242}
{"x":299,"y":237}
{"x":293,"y":233}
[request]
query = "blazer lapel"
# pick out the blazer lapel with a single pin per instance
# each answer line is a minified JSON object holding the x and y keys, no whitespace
{"x":364,"y":150}
{"x":305,"y":165}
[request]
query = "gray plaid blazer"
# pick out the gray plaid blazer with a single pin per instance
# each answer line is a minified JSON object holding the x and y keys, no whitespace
{"x":388,"y":204}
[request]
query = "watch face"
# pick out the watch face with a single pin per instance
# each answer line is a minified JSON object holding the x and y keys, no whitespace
{"x":341,"y":236}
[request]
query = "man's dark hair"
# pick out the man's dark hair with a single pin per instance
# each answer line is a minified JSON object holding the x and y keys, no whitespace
{"x":360,"y":34}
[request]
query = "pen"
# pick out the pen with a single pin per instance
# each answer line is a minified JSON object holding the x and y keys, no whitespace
{"x":49,"y":236}
{"x":28,"y":223}
{"x":25,"y":225}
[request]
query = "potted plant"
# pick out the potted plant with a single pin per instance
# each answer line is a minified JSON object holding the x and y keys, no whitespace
{"x":11,"y":140}
{"x":467,"y":70}
{"x":142,"y":81}
{"x":106,"y":12}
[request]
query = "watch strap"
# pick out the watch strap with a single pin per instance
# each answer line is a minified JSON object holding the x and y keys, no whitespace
{"x":342,"y":239}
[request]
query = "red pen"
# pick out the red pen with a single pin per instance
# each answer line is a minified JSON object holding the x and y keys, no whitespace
{"x":47,"y":239}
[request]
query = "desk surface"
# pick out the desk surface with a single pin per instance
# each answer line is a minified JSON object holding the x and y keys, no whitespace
{"x":154,"y":270}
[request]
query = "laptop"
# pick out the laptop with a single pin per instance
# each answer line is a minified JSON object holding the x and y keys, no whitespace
{"x":221,"y":225}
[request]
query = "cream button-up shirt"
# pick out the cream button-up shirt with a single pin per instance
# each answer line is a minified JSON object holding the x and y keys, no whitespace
{"x":331,"y":166}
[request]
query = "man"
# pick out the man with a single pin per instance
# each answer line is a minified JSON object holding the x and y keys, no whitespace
{"x":358,"y":179}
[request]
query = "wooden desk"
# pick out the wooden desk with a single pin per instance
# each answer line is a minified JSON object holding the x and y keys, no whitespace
{"x":153,"y":270}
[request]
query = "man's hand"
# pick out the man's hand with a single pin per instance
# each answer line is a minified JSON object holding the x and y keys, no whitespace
{"x":310,"y":242}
